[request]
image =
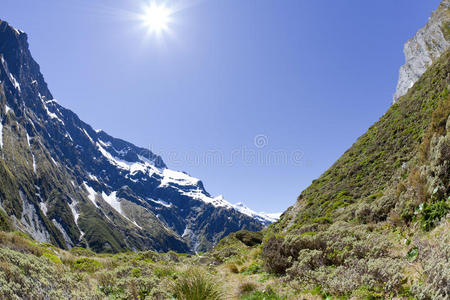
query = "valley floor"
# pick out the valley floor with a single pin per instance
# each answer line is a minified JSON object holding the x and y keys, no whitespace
{"x":234,"y":269}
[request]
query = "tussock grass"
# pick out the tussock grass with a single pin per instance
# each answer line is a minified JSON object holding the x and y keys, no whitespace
{"x":196,"y":285}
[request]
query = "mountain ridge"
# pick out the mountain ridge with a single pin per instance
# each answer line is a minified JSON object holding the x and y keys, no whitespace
{"x":127,"y":186}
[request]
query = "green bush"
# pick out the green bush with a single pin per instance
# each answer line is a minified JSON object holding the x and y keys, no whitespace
{"x":78,"y":251}
{"x":5,"y":222}
{"x":253,"y":269}
{"x":53,"y":258}
{"x":136,"y":272}
{"x":247,"y":287}
{"x":412,"y":254}
{"x":433,"y":213}
{"x":195,"y":285}
{"x":164,"y":271}
{"x":86,"y":265}
{"x":249,"y":238}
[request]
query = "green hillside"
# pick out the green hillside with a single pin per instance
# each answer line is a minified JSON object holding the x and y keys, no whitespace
{"x":383,"y":156}
{"x":376,"y":223}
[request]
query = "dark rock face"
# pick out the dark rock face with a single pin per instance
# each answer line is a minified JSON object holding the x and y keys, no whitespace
{"x":66,"y":183}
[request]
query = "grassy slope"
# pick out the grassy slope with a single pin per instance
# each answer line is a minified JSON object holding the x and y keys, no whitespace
{"x":378,"y":218}
{"x":365,"y":170}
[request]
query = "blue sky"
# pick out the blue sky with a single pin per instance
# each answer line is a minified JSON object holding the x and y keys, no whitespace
{"x":306,"y":78}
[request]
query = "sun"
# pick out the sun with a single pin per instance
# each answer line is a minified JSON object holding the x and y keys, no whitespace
{"x":156,"y":17}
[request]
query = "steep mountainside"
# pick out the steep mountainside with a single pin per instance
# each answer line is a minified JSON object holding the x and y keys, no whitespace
{"x":366,"y":177}
{"x":427,"y":45}
{"x":65,"y":183}
{"x":376,"y":224}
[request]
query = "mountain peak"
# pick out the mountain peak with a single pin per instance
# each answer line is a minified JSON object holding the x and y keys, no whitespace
{"x":83,"y":187}
{"x":5,"y":27}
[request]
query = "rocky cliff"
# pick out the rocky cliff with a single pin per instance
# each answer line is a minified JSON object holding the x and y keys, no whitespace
{"x":427,"y":45}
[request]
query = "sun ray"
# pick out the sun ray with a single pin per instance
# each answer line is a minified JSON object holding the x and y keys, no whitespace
{"x":157,"y":17}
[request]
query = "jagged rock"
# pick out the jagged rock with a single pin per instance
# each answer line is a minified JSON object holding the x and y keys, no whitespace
{"x":420,"y":51}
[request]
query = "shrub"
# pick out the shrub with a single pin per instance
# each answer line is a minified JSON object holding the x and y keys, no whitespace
{"x":276,"y":260}
{"x":412,"y":254}
{"x":5,"y":222}
{"x":53,"y":258}
{"x":164,"y":271}
{"x":18,"y":241}
{"x":135,"y":272}
{"x":246,"y":288}
{"x":78,"y":251}
{"x":253,"y":269}
{"x":308,"y":260}
{"x":436,"y":271}
{"x":432,"y":214}
{"x":129,"y":287}
{"x":249,"y":238}
{"x":26,"y":276}
{"x":195,"y":285}
{"x":232,"y":268}
{"x":86,"y":265}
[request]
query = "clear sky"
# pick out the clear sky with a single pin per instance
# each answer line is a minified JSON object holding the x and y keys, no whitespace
{"x":305,"y":77}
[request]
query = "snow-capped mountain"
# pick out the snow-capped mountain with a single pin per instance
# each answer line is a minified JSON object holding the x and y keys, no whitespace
{"x":64,"y":182}
{"x":264,"y":218}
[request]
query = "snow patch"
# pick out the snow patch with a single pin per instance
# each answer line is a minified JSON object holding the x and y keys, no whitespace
{"x":91,"y":194}
{"x":93,"y":177}
{"x":178,"y":178}
{"x":136,"y":224}
{"x":89,"y":137}
{"x":74,"y":209}
{"x":49,"y":113}
{"x":105,"y":144}
{"x":28,"y":141}
{"x":34,"y":163}
{"x":67,"y":135}
{"x":132,"y":167}
{"x":54,"y":161}
{"x":161,"y":202}
{"x":7,"y":109}
{"x":14,"y":82}
{"x":11,"y":78}
{"x":261,"y":216}
{"x":43,"y":207}
{"x":112,"y":200}
{"x":17,"y":31}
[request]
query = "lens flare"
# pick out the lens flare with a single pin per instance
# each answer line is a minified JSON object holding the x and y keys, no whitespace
{"x":157,"y":17}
